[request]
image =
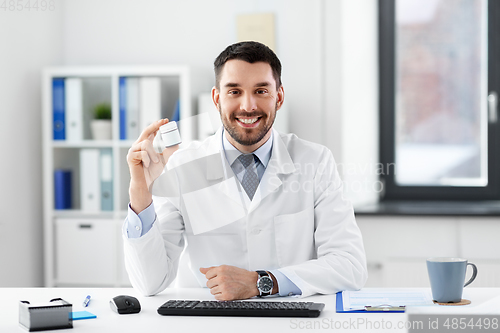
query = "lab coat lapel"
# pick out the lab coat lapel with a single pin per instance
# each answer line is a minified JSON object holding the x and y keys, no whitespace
{"x":279,"y":164}
{"x":219,"y":168}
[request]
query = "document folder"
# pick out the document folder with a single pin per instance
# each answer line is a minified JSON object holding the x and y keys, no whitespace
{"x":377,"y":300}
{"x":340,"y":307}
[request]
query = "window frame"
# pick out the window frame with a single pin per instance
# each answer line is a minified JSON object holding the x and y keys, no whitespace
{"x":394,"y":192}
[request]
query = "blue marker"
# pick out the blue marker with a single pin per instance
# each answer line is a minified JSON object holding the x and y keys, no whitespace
{"x":86,"y":301}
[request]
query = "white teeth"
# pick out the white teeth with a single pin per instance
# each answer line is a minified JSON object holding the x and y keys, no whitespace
{"x":248,"y":121}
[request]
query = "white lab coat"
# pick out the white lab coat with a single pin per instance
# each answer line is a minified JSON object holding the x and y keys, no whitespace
{"x":298,"y":220}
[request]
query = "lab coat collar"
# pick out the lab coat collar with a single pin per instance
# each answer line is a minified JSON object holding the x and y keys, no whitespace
{"x":280,"y":162}
{"x":280,"y":157}
{"x":263,"y":153}
{"x":219,"y":168}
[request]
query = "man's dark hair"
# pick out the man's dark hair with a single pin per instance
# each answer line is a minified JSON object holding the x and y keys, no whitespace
{"x":250,"y":52}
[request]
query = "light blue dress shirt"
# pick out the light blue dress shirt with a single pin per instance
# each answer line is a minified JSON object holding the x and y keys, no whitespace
{"x":138,"y":225}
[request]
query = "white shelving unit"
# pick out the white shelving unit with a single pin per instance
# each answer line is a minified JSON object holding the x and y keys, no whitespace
{"x":81,"y":248}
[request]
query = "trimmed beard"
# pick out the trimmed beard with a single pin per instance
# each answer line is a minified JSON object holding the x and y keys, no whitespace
{"x":243,"y":139}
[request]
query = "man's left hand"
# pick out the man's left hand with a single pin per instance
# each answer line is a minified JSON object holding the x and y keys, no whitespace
{"x":229,"y":283}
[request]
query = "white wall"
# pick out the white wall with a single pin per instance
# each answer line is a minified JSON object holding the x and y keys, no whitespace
{"x":30,"y":41}
{"x":351,"y":106}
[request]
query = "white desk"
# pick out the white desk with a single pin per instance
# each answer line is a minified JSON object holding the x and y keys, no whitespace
{"x":148,"y":320}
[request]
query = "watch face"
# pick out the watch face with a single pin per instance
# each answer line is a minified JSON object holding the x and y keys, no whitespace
{"x":265,"y":284}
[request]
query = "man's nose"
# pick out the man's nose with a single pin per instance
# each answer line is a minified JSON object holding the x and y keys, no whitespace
{"x":248,"y":103}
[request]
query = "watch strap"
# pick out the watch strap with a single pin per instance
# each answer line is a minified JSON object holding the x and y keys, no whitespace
{"x":262,"y":273}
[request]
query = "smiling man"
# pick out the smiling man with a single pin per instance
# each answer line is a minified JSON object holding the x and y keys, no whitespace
{"x":247,"y":102}
{"x":263,"y":212}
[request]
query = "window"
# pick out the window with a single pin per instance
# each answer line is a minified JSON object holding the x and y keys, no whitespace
{"x":439,"y":64}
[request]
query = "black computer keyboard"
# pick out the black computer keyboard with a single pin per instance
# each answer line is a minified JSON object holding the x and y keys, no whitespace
{"x":240,"y":308}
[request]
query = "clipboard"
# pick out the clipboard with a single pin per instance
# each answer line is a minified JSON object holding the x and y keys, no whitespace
{"x":339,"y":308}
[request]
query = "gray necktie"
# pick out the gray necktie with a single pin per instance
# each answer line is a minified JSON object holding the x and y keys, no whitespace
{"x":250,"y":180}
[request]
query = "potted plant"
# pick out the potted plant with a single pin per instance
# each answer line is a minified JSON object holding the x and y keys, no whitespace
{"x":101,"y":124}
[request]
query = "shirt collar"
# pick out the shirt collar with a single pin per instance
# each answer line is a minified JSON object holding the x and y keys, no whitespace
{"x":263,"y":152}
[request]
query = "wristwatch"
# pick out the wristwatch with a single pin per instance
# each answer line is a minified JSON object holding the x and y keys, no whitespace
{"x":264,"y":283}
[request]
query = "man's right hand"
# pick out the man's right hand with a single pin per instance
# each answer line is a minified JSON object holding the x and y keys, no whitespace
{"x":145,"y":165}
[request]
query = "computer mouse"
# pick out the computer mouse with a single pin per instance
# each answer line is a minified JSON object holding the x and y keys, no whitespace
{"x":124,"y":304}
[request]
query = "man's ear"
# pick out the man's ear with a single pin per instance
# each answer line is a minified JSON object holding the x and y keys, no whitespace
{"x":280,"y":98}
{"x":215,"y":97}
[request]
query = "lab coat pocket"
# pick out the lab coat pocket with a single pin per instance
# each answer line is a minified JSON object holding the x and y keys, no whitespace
{"x":294,"y":236}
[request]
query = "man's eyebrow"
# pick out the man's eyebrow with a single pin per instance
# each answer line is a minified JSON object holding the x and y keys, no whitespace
{"x":263,"y":84}
{"x":234,"y":85}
